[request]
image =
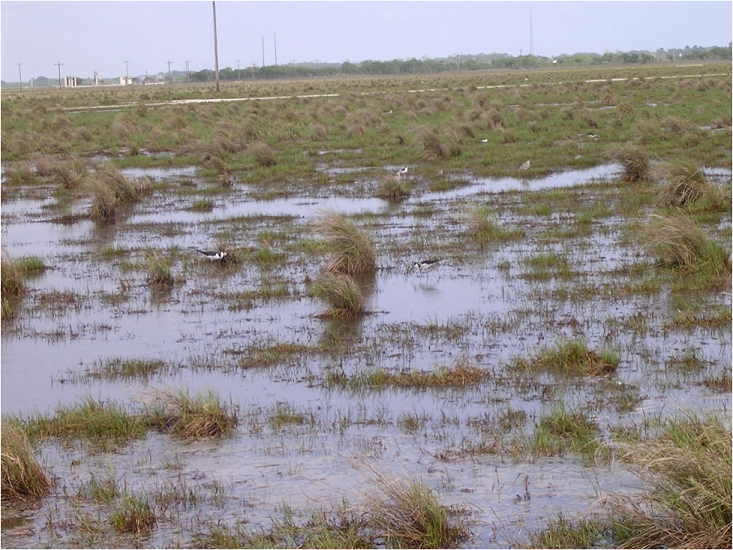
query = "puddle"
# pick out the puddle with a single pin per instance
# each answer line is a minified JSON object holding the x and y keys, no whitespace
{"x":159,"y":173}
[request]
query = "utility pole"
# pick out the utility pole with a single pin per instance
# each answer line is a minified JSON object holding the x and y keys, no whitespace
{"x":263,"y":51}
{"x":20,"y":78}
{"x":127,"y":72}
{"x":238,"y":77}
{"x":531,"y":35}
{"x":58,"y":63}
{"x":274,"y":39}
{"x":169,"y":69}
{"x":188,"y":73}
{"x":216,"y":49}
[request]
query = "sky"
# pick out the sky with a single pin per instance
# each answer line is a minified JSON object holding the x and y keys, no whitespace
{"x":101,"y":36}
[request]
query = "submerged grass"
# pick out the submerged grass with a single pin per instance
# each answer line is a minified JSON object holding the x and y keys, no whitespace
{"x":570,"y":357}
{"x":460,"y":374}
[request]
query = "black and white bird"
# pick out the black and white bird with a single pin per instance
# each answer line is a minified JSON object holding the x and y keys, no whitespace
{"x":210,"y":255}
{"x":402,"y":174}
{"x":525,"y":166}
{"x":424,"y":265}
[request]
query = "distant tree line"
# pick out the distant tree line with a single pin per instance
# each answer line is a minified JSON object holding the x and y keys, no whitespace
{"x":420,"y":66}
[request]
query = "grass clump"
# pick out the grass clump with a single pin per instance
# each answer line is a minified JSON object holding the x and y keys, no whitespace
{"x":689,"y":506}
{"x":635,"y":163}
{"x":159,"y":269}
{"x":353,"y":249}
{"x":571,"y":357}
{"x":410,"y":516}
{"x":13,"y":285}
{"x":565,"y":430}
{"x":392,"y":189}
{"x":22,"y":476}
{"x":687,"y":468}
{"x":483,"y":228}
{"x":678,"y":242}
{"x":203,"y":415}
{"x":91,"y":419}
{"x":134,"y":515}
{"x":263,"y":154}
{"x":461,"y":374}
{"x":684,"y":183}
{"x":341,"y":293}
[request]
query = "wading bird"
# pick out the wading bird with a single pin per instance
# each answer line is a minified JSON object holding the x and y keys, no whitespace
{"x":525,"y":166}
{"x":424,"y":265}
{"x":402,"y":174}
{"x":211,"y":256}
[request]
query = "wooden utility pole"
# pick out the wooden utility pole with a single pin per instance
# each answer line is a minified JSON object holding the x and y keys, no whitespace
{"x":263,"y":51}
{"x":58,"y":63}
{"x":216,"y":49}
{"x":20,"y":78}
{"x":274,"y":39}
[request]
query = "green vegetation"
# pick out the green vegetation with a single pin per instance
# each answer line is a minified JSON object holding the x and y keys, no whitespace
{"x":203,"y":415}
{"x":352,"y":248}
{"x":687,"y":468}
{"x":341,"y":293}
{"x":13,"y":285}
{"x":570,"y":357}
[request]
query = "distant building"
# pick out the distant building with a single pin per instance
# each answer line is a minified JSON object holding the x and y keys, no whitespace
{"x":70,"y":82}
{"x":125,"y":81}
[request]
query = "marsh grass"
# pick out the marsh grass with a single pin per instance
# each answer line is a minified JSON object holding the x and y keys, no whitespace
{"x":687,"y":470}
{"x":92,"y":420}
{"x":352,"y":248}
{"x":13,"y":285}
{"x":31,"y":265}
{"x":563,"y":430}
{"x":342,"y":293}
{"x":679,"y":243}
{"x":461,"y":374}
{"x":118,"y":368}
{"x":688,"y":467}
{"x":392,"y":189}
{"x":134,"y":514}
{"x":483,"y":227}
{"x":635,"y":163}
{"x":571,"y":357}
{"x":159,"y":269}
{"x":684,"y":183}
{"x":410,"y":516}
{"x":203,"y":415}
{"x":22,"y":475}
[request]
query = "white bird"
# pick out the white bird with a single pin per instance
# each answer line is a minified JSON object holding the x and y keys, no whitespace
{"x":211,"y":256}
{"x":402,"y":174}
{"x":525,"y":166}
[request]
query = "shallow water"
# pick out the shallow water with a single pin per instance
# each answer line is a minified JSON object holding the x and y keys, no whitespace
{"x":485,"y":307}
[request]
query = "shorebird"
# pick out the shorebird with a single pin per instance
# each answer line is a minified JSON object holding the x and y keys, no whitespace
{"x":525,"y":166}
{"x":424,"y":265}
{"x":402,"y":174}
{"x":211,"y":256}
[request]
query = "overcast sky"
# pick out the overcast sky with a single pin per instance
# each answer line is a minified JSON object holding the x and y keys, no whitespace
{"x":101,"y":36}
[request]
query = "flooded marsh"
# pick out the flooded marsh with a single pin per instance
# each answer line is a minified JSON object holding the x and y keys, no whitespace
{"x":497,"y":387}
